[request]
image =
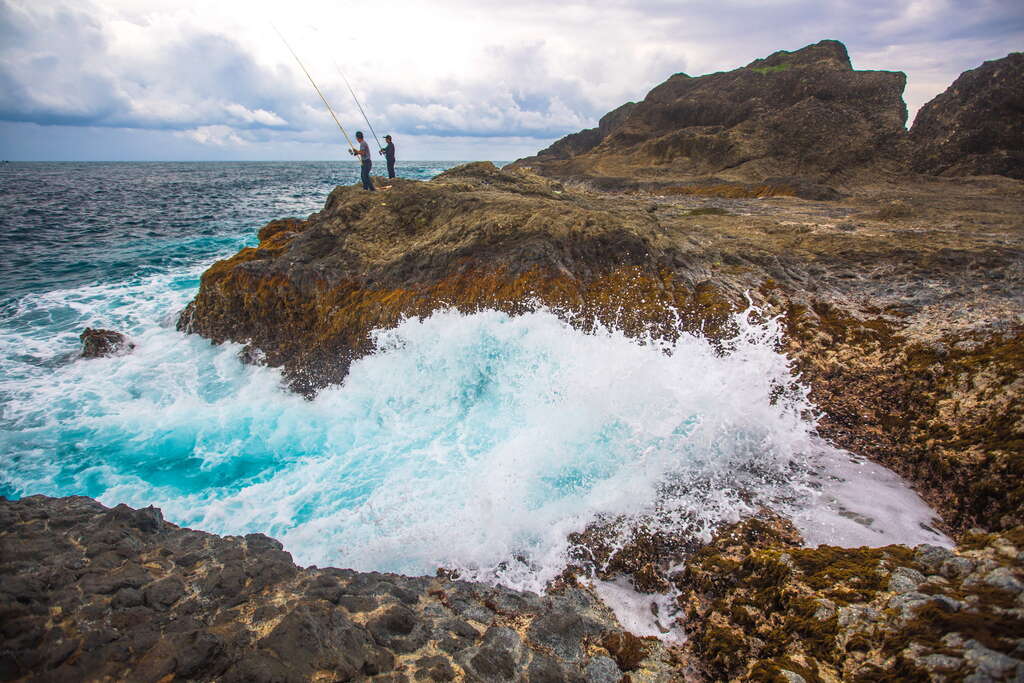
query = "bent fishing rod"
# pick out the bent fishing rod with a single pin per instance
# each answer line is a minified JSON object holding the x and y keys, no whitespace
{"x":324,"y":99}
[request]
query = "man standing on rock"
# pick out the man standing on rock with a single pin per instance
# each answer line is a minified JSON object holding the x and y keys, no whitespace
{"x":367,"y":163}
{"x":389,"y":156}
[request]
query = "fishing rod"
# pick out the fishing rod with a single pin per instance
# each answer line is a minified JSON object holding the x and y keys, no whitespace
{"x":326,"y":104}
{"x":365,"y":118}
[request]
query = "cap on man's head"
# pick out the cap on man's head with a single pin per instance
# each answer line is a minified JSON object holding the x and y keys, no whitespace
{"x":359,"y":133}
{"x":387,"y":137}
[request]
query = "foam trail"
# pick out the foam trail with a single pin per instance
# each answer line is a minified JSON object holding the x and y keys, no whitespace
{"x":855,"y":502}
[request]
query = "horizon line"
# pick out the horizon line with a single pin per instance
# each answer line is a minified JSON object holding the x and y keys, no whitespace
{"x":223,"y":161}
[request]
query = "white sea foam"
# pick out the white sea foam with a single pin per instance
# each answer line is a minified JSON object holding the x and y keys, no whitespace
{"x":855,"y":502}
{"x":477,"y":442}
{"x":642,"y":614}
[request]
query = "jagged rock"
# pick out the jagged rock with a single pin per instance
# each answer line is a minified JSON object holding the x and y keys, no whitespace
{"x":753,"y":612}
{"x":88,"y":593}
{"x":805,"y":113}
{"x":975,"y":127}
{"x":98,"y":343}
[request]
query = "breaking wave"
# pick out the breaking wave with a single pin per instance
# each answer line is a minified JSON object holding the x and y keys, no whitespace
{"x":477,"y":442}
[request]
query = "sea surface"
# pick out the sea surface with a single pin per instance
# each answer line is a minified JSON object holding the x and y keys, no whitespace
{"x":476,"y":442}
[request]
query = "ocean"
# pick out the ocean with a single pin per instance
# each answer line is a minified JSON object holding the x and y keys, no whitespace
{"x":475,"y":442}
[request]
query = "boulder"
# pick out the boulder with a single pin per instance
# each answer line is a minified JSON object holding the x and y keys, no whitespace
{"x":99,"y":343}
{"x":975,"y":127}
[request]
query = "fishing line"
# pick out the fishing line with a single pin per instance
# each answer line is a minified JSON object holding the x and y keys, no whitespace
{"x":365,"y":118}
{"x":326,"y":104}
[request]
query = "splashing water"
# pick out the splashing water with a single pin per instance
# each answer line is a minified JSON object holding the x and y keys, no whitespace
{"x":466,"y":440}
{"x":477,"y":442}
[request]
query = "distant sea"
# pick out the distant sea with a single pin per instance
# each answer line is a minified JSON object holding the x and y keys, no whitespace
{"x":68,"y":224}
{"x":478,"y":442}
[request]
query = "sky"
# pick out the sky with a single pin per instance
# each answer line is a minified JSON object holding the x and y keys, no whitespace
{"x":450,"y":79}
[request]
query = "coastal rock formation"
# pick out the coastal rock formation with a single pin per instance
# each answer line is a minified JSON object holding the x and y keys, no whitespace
{"x":903,"y":318}
{"x":98,"y":343}
{"x":760,"y":608}
{"x":586,"y":140}
{"x":90,"y":593}
{"x":474,"y":237}
{"x":805,"y":113}
{"x":975,"y":127}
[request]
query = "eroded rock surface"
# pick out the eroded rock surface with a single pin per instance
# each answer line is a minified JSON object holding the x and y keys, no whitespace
{"x":761,"y":608}
{"x":472,"y":238}
{"x":805,"y":113}
{"x":91,"y":593}
{"x":975,"y":127}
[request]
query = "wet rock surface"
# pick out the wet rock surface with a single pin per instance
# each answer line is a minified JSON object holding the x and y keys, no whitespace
{"x":91,"y":593}
{"x":760,"y":608}
{"x":975,"y":127}
{"x":97,"y":343}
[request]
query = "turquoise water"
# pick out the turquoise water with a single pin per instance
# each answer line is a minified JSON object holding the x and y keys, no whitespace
{"x":464,"y":441}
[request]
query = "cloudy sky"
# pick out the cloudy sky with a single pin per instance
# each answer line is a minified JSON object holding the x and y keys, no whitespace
{"x":451,"y":79}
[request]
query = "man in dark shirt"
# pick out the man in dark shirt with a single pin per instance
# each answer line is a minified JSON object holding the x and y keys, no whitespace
{"x":367,"y":163}
{"x":389,"y":155}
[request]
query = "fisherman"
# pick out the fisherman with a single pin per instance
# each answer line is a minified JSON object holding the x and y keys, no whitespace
{"x":367,"y":163}
{"x":389,"y":155}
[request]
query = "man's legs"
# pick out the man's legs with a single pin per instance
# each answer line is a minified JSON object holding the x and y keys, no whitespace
{"x":391,"y":168}
{"x":367,"y":184}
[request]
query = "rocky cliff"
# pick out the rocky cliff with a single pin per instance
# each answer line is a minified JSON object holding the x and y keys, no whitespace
{"x":976,"y":127}
{"x":805,"y":113}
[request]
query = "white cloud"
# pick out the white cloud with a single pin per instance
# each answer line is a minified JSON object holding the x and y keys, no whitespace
{"x":260,"y":116}
{"x":217,"y":135}
{"x":466,"y":69}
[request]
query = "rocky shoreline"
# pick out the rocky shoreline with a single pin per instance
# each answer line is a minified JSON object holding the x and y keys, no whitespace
{"x":790,"y":184}
{"x":907,"y":327}
{"x":91,"y":593}
{"x":901,"y":293}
